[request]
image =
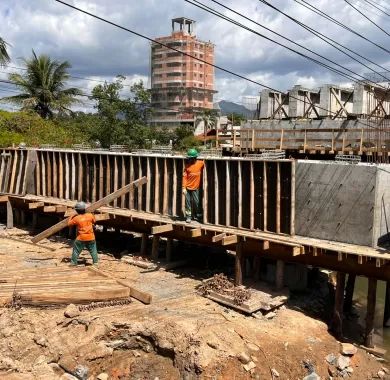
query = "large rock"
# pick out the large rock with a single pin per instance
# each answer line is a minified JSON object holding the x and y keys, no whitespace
{"x":244,"y":358}
{"x":71,"y":311}
{"x":348,"y":349}
{"x":343,"y":362}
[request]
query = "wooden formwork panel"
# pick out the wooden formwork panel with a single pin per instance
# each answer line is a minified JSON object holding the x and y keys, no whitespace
{"x":243,"y":193}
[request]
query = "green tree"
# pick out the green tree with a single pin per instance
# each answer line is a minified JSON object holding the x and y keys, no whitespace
{"x":122,"y":120}
{"x":236,"y":118}
{"x":4,"y":56}
{"x":209,"y":119}
{"x":43,"y":87}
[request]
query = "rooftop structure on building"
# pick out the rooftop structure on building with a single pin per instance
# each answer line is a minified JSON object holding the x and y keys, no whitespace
{"x":182,"y":79}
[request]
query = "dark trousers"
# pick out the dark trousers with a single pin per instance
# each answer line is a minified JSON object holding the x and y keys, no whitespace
{"x":79,"y":245}
{"x":193,"y":206}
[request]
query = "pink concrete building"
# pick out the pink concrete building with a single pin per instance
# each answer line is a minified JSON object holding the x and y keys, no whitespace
{"x":182,"y":86}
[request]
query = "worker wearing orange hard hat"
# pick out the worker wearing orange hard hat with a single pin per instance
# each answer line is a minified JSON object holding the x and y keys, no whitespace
{"x":192,"y":176}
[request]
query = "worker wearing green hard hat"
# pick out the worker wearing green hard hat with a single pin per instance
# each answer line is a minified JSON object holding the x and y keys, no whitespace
{"x":192,"y":176}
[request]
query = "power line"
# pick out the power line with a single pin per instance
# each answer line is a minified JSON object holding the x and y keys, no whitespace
{"x":333,"y":20}
{"x":191,"y":56}
{"x":366,"y":17}
{"x":319,"y":35}
{"x":184,"y":53}
{"x":380,"y":5}
{"x":375,"y":6}
{"x":216,"y":13}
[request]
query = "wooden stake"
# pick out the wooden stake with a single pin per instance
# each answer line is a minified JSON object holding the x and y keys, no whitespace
{"x":155,"y":241}
{"x":371,"y":302}
{"x":168,"y":251}
{"x":144,"y":244}
{"x":238,"y":264}
{"x":349,"y":289}
{"x":337,"y":322}
{"x":10,"y":215}
{"x":279,"y":280}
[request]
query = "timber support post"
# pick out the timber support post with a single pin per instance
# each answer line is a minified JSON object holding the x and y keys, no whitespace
{"x":337,"y":321}
{"x":349,"y":289}
{"x":144,"y":244}
{"x":370,"y":316}
{"x":155,"y":241}
{"x":279,"y":280}
{"x":386,"y":314}
{"x":238,"y":264}
{"x":10,"y":215}
{"x":168,"y":251}
{"x":34,"y":221}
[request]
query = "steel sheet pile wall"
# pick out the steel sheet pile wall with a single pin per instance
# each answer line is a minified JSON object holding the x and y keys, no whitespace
{"x":242,"y":193}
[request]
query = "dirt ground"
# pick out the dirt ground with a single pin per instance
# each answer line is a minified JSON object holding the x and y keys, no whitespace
{"x":181,"y":335}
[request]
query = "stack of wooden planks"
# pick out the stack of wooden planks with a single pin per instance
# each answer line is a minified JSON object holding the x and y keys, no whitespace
{"x":58,"y":285}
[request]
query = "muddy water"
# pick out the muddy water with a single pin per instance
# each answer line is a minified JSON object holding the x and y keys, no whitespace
{"x":382,"y":335}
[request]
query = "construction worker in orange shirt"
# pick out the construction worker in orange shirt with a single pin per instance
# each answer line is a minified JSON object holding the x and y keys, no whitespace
{"x":192,"y":176}
{"x":84,"y":222}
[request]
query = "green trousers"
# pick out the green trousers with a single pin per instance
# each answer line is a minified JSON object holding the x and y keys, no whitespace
{"x":193,"y":206}
{"x":79,"y":245}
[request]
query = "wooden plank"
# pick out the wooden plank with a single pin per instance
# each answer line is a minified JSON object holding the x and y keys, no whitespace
{"x":61,"y":209}
{"x":337,"y":321}
{"x":73,"y":180}
{"x":131,"y":194}
{"x":218,"y":237}
{"x":29,"y":183}
{"x":13,"y":173}
{"x":156,"y":187}
{"x":228,"y":187}
{"x":93,"y":207}
{"x":101,"y":217}
{"x":265,"y":196}
{"x":108,"y":175}
{"x":161,"y":229}
{"x":123,"y":181}
{"x":61,"y":176}
{"x":87,"y":171}
{"x":216,"y":191}
{"x":140,"y":192}
{"x":101,"y":177}
{"x":239,"y":223}
{"x":55,"y":173}
{"x":68,"y":177}
{"x":144,"y":244}
{"x":292,"y":199}
{"x":116,"y":177}
{"x":49,"y":174}
{"x":2,"y":170}
{"x":80,"y":169}
{"x":278,"y":197}
{"x":49,"y":209}
{"x":370,"y":316}
{"x":4,"y":198}
{"x":195,"y":232}
{"x":205,"y":195}
{"x":228,"y":240}
{"x":165,"y":188}
{"x":174,"y":194}
{"x":149,"y":185}
{"x":251,"y":197}
{"x":265,"y":245}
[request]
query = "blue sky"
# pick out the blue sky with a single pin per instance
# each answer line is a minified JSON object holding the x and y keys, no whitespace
{"x":101,"y":51}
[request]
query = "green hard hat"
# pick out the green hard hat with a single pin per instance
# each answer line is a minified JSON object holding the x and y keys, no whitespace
{"x":192,"y":153}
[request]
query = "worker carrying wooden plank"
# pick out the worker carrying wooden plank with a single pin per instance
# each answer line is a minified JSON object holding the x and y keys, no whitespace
{"x":84,"y":221}
{"x":192,"y":176}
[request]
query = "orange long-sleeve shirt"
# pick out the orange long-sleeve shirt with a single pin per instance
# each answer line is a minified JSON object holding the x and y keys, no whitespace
{"x":192,"y":175}
{"x":84,"y":223}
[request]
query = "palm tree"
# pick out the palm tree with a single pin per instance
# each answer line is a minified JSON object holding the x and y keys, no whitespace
{"x":209,"y":119}
{"x":43,"y":86}
{"x":4,"y":57}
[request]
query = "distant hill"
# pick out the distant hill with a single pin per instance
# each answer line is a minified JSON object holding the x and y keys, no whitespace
{"x":228,"y":108}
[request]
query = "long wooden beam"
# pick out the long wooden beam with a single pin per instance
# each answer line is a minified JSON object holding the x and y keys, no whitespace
{"x":93,"y":207}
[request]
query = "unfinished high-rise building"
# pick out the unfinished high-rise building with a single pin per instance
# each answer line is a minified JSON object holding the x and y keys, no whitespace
{"x":182,"y":85}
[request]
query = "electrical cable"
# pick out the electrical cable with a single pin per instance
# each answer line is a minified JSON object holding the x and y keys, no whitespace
{"x":375,"y":6}
{"x":340,"y":24}
{"x":366,"y":17}
{"x":218,"y":14}
{"x":190,"y":55}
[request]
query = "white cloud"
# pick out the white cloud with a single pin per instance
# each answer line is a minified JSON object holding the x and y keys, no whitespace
{"x":102,"y":51}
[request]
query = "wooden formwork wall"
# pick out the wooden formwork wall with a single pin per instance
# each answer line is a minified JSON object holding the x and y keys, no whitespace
{"x":16,"y":168}
{"x":243,"y":193}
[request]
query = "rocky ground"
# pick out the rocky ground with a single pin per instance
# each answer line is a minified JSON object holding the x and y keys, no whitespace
{"x":181,"y":335}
